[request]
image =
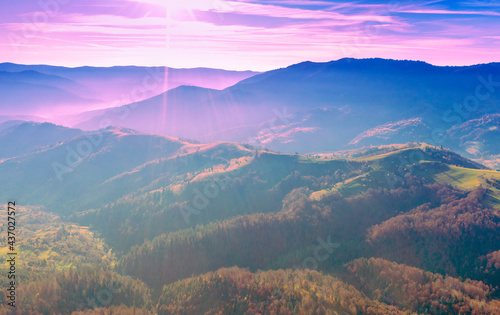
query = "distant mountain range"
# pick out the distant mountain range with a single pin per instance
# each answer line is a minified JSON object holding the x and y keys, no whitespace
{"x":326,"y":107}
{"x":50,"y":91}
{"x":381,"y":217}
{"x":18,"y":138}
{"x":307,"y":107}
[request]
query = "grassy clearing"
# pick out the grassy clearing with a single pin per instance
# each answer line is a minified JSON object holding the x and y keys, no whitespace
{"x":45,"y":244}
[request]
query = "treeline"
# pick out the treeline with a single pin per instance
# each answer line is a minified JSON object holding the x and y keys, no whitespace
{"x":180,"y":202}
{"x":78,"y":290}
{"x":430,"y":154}
{"x":420,"y":291}
{"x":116,"y":310}
{"x":256,"y":188}
{"x":237,"y":291}
{"x":46,"y":245}
{"x":377,"y":287}
{"x":448,"y":239}
{"x":368,"y":286}
{"x":488,"y":269}
{"x":265,"y":217}
{"x":266,"y":240}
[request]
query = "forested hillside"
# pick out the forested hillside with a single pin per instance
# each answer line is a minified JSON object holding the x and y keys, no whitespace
{"x":224,"y":228}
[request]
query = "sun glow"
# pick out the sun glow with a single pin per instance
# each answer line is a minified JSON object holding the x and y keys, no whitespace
{"x":179,"y":8}
{"x":241,"y":35}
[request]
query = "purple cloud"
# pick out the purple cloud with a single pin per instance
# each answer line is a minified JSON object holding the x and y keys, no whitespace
{"x":258,"y":35}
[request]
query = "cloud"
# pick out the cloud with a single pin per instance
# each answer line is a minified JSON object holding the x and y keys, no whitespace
{"x":258,"y":35}
{"x":450,"y":12}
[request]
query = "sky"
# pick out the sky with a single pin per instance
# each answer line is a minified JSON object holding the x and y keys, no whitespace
{"x":248,"y":34}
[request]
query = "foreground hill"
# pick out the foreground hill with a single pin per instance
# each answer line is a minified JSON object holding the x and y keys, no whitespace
{"x":308,"y":292}
{"x":166,"y":225}
{"x":237,"y":291}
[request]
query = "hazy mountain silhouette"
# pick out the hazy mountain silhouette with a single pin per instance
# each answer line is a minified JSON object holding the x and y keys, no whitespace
{"x":49,"y":90}
{"x":34,"y":93}
{"x":19,"y":137}
{"x":316,"y":107}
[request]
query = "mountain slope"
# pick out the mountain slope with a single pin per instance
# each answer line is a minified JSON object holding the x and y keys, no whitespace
{"x":89,"y":169}
{"x":317,"y":107}
{"x":172,"y":210}
{"x":33,"y":93}
{"x":19,"y":138}
{"x":238,"y":291}
{"x":40,"y":89}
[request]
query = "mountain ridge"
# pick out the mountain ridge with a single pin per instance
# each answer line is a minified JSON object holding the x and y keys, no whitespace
{"x":208,"y":210}
{"x":356,"y":94}
{"x":105,"y":87}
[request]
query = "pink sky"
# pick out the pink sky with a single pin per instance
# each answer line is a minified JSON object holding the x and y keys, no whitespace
{"x":242,"y":35}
